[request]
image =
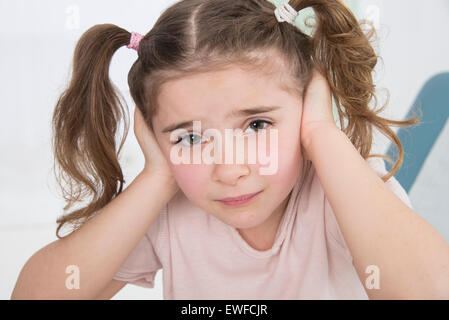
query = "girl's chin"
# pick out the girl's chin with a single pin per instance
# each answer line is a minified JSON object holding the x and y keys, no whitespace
{"x":244,"y":220}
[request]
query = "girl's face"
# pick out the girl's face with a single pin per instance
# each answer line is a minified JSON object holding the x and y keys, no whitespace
{"x":214,"y":99}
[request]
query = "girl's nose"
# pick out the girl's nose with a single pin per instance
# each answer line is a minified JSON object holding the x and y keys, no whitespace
{"x":230,"y":173}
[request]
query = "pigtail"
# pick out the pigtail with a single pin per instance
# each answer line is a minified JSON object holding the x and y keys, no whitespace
{"x":342,"y":52}
{"x":84,"y":124}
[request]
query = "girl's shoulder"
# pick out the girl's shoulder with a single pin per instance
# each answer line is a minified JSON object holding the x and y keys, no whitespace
{"x":378,"y":165}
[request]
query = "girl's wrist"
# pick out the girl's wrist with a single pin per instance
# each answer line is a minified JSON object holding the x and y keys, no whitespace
{"x":147,"y":172}
{"x":159,"y":178}
{"x":313,"y":129}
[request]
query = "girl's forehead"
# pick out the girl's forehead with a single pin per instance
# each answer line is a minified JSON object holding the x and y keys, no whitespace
{"x":218,"y":91}
{"x":232,"y":78}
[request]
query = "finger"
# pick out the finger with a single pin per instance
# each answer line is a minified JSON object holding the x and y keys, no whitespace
{"x":145,"y":134}
{"x":137,"y":118}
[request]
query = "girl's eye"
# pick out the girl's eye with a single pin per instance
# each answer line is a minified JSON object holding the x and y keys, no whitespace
{"x":189,"y":139}
{"x":256,"y":124}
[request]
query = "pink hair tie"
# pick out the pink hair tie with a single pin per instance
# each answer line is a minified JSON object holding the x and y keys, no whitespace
{"x":135,"y":40}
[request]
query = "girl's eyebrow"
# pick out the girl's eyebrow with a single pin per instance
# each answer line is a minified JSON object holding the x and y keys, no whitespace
{"x":233,"y":114}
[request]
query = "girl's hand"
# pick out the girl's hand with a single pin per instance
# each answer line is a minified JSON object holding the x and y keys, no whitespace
{"x":155,"y":161}
{"x":316,"y":109}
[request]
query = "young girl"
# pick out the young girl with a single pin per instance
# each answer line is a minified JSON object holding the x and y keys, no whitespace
{"x":330,"y":223}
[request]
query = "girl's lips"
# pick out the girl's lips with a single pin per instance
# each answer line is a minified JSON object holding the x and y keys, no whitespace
{"x":242,"y":197}
{"x":239,"y":200}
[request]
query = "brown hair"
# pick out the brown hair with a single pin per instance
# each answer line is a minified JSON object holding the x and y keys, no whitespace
{"x":193,"y":36}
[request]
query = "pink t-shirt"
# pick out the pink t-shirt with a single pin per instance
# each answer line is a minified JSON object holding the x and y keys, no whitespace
{"x":204,"y":258}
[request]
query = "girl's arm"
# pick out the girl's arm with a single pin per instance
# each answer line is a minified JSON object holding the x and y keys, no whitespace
{"x":379,"y":229}
{"x":99,"y":247}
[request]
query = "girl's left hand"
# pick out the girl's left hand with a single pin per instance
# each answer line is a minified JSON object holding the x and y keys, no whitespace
{"x":316,"y":108}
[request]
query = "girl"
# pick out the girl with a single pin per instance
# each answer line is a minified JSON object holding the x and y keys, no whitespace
{"x":330,"y":223}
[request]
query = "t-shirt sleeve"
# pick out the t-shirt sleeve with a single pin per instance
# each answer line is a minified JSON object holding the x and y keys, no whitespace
{"x":378,"y":165}
{"x":332,"y":227}
{"x":142,"y":264}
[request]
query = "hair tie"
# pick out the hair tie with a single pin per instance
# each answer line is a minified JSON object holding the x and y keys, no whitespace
{"x":286,"y":13}
{"x":135,"y":40}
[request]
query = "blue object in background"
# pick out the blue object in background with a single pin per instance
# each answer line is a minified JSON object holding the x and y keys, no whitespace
{"x":433,"y":103}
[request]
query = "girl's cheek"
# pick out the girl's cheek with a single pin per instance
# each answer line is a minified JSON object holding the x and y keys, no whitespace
{"x":192,"y":179}
{"x":288,"y":159}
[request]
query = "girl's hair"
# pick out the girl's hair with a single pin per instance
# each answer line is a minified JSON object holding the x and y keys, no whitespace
{"x":195,"y":36}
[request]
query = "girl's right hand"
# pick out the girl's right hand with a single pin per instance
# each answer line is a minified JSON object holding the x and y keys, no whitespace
{"x":155,"y":161}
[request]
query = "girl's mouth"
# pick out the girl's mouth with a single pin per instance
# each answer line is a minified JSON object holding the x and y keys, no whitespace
{"x":238,"y":201}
